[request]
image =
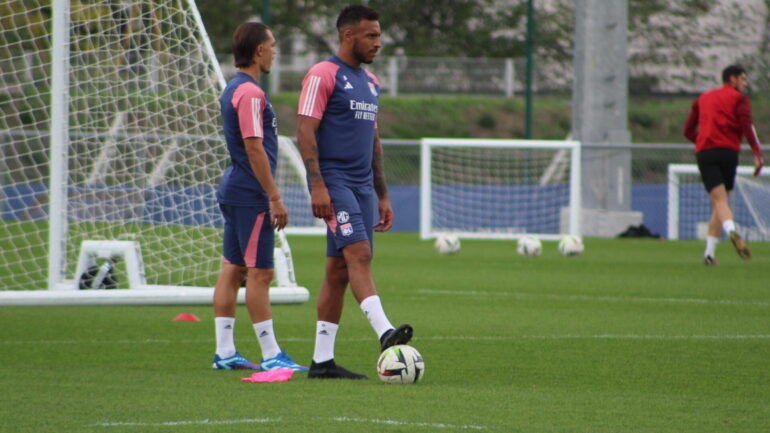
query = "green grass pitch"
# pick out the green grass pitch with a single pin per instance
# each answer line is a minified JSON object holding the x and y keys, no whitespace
{"x":632,"y":336}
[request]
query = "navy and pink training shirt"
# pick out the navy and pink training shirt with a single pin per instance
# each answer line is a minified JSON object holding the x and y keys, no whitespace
{"x":246,"y":113}
{"x":345,"y":100}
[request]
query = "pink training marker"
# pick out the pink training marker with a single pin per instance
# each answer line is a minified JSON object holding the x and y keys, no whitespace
{"x":277,"y":375}
{"x":187,"y":317}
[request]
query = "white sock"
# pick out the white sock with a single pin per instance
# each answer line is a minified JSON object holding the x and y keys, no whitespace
{"x":223,"y":329}
{"x":266,"y":338}
{"x":711,"y":246}
{"x":372,"y":308}
{"x":325,"y":334}
{"x":728,"y":226}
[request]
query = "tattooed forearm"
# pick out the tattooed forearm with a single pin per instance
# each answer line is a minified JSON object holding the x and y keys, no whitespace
{"x":378,"y":168}
{"x":313,"y":170}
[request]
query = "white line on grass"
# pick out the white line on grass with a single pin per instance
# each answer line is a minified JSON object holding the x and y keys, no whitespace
{"x":439,"y":338}
{"x":271,"y":420}
{"x":145,"y":341}
{"x":593,"y":298}
{"x":190,"y":422}
{"x":599,"y":337}
{"x":407,"y":423}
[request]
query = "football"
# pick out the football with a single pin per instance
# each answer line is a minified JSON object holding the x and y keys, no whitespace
{"x":570,"y":246}
{"x":529,"y":246}
{"x":447,"y":244}
{"x":400,"y":364}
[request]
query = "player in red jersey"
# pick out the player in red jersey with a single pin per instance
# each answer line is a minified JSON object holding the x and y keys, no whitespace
{"x":718,"y":120}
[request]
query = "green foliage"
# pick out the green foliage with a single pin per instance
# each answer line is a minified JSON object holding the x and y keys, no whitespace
{"x":650,"y":119}
{"x":487,"y":121}
{"x":632,"y":336}
{"x":417,"y":27}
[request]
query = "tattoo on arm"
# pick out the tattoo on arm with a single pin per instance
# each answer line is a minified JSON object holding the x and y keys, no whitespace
{"x":378,"y":168}
{"x":313,"y":170}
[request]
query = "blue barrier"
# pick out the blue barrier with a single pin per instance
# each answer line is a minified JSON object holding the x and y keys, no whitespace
{"x":198,"y":206}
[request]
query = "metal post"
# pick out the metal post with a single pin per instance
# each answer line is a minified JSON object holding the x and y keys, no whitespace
{"x":530,"y":61}
{"x":275,"y":75}
{"x":207,"y":44}
{"x":575,"y":191}
{"x":426,"y":215}
{"x":508,"y":78}
{"x":265,"y":79}
{"x":59,"y":142}
{"x":393,"y":76}
{"x":672,"y":218}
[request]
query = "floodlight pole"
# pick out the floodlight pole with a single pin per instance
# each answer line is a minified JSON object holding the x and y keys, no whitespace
{"x":59,"y":141}
{"x":265,"y":78}
{"x":530,"y":61}
{"x":600,"y":115}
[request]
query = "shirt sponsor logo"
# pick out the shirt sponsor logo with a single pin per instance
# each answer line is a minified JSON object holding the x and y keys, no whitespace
{"x":346,"y":229}
{"x":342,"y":217}
{"x":364,"y":110}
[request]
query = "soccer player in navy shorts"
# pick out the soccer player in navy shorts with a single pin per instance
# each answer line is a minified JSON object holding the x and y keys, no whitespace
{"x":338,"y":139}
{"x":718,"y":119}
{"x":250,"y":203}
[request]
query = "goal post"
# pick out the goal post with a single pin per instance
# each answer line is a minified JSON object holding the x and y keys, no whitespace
{"x":111,"y":147}
{"x":499,"y":189}
{"x":689,"y":208}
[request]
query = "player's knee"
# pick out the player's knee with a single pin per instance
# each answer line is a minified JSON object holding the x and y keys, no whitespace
{"x":261,"y":276}
{"x":360,"y":255}
{"x":237,"y":272}
{"x":337,"y":270}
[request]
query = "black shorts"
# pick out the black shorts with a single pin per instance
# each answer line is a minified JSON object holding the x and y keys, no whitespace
{"x":717,"y":167}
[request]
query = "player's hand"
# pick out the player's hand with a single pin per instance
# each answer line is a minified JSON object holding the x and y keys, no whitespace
{"x":279,"y":217}
{"x":758,"y":164}
{"x":386,"y":216}
{"x":321,"y":202}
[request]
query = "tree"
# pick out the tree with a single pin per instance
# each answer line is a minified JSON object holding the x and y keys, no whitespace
{"x":472,"y":28}
{"x":687,"y":43}
{"x":670,"y":43}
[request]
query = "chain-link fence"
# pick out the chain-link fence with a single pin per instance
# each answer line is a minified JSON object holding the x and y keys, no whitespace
{"x":505,"y":77}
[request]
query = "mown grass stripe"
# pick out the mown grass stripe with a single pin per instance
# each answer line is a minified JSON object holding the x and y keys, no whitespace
{"x":594,"y":298}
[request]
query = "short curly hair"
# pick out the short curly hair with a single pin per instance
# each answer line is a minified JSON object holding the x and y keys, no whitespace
{"x":351,"y":15}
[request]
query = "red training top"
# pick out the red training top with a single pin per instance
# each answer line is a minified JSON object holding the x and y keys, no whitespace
{"x":719,"y":118}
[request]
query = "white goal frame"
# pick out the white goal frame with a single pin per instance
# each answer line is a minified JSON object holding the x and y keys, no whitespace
{"x":61,"y":291}
{"x":427,"y":145}
{"x":674,"y":173}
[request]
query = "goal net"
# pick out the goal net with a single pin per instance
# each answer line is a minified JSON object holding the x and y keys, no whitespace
{"x":689,"y":207}
{"x":499,"y":188}
{"x":109,"y":130}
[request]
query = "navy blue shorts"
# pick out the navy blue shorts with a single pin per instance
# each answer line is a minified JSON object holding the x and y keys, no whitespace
{"x":249,"y":239}
{"x":353,"y":209}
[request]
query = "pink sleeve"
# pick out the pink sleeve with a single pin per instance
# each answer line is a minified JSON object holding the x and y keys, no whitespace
{"x":373,"y":77}
{"x":249,"y":102}
{"x":317,"y":88}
